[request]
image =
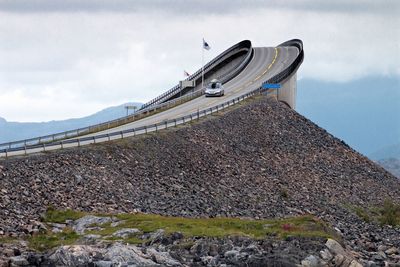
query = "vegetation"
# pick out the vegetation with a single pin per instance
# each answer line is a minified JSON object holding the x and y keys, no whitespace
{"x":220,"y":227}
{"x":386,"y":214}
{"x":60,"y":216}
{"x":43,"y":242}
{"x":390,"y":213}
{"x":301,"y":226}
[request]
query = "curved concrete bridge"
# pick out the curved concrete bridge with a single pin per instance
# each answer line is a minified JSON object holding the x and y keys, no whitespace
{"x":242,"y":68}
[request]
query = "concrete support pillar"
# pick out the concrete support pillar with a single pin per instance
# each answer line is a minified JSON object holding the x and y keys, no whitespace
{"x":288,"y":91}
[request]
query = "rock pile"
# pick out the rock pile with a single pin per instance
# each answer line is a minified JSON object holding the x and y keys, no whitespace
{"x":262,"y":160}
{"x":173,"y":249}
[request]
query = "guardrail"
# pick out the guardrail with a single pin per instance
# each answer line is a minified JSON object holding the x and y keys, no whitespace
{"x":144,"y":109}
{"x":293,"y":66}
{"x":45,"y":142}
{"x":126,"y":133}
{"x":207,"y":67}
{"x":97,"y":127}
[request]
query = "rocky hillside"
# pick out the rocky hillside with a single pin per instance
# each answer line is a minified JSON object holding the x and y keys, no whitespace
{"x":392,"y":165}
{"x":260,"y":160}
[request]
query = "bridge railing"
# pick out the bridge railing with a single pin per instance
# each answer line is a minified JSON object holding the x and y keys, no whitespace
{"x":145,"y":109}
{"x":37,"y":148}
{"x":42,"y":145}
{"x":207,"y":67}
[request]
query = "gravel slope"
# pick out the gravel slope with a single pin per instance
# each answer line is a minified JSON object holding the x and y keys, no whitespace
{"x":259,"y":160}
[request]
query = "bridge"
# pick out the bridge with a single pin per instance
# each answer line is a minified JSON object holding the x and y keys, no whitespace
{"x":242,"y":68}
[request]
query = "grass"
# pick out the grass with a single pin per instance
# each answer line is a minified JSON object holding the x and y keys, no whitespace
{"x":386,"y":214}
{"x":60,"y":216}
{"x":50,"y":240}
{"x":390,"y":213}
{"x":300,"y":226}
{"x":7,"y":239}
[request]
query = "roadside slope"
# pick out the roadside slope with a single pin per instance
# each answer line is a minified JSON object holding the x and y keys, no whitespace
{"x":259,"y":160}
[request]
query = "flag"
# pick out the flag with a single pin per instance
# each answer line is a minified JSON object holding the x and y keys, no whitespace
{"x":185,"y":73}
{"x":205,"y":45}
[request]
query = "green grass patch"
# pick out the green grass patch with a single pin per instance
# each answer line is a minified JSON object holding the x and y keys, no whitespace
{"x":60,"y":216}
{"x":221,"y":227}
{"x":300,"y":226}
{"x":43,"y":242}
{"x":386,"y":214}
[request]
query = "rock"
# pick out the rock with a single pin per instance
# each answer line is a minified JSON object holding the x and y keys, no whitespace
{"x":163,"y":258}
{"x":119,"y":253}
{"x":338,"y":260}
{"x":310,"y":261}
{"x":382,"y":254}
{"x":392,"y":251}
{"x":157,"y":236}
{"x":371,"y":264}
{"x":83,"y":223}
{"x":334,"y":247}
{"x":4,"y":263}
{"x":103,"y":264}
{"x":126,"y":232}
{"x":326,"y":255}
{"x":8,"y":252}
{"x":115,"y":224}
{"x":355,"y":263}
{"x":75,"y":255}
{"x":18,"y":261}
{"x":78,"y":179}
{"x":91,"y":239}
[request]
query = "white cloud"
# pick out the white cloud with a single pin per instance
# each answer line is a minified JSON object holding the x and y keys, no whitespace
{"x":58,"y":64}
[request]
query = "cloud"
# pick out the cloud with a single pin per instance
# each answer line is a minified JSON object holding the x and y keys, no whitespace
{"x":197,"y":7}
{"x":60,"y":62}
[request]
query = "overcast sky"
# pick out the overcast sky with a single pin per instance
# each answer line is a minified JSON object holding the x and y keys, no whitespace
{"x":63,"y":59}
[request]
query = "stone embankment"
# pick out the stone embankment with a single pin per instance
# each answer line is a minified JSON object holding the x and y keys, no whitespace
{"x":261,"y":160}
{"x":162,"y":249}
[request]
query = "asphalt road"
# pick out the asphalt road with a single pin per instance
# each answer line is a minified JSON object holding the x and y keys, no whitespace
{"x":267,"y":62}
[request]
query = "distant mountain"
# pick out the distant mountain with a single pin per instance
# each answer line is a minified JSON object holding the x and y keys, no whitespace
{"x":12,"y":131}
{"x":392,"y":165}
{"x":392,"y":151}
{"x":364,"y":113}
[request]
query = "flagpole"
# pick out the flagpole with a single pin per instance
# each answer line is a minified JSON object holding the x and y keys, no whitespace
{"x":202,"y":65}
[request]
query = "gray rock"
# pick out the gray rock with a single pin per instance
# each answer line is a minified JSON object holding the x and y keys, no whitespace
{"x":103,"y":263}
{"x":355,"y":263}
{"x":18,"y":261}
{"x":310,"y":261}
{"x":326,"y":255}
{"x":126,"y":232}
{"x":91,"y":239}
{"x":82,"y":224}
{"x":338,"y":260}
{"x":115,"y":224}
{"x":163,"y":258}
{"x":74,"y":255}
{"x":157,"y":236}
{"x":119,"y":253}
{"x":334,"y":247}
{"x":391,"y":251}
{"x":231,"y":254}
